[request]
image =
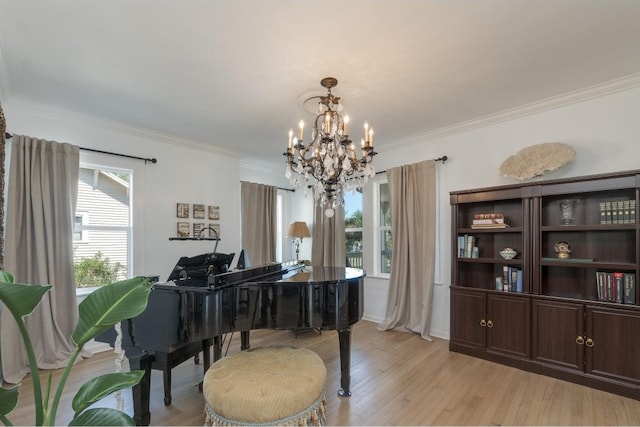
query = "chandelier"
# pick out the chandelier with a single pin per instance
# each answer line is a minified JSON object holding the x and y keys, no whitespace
{"x":331,"y":162}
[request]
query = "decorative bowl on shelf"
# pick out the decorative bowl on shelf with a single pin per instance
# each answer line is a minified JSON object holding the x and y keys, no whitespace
{"x":508,"y":253}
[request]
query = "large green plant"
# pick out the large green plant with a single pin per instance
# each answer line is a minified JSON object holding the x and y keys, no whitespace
{"x":102,"y":309}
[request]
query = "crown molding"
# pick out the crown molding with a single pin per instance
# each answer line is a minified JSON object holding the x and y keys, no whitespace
{"x":574,"y":97}
{"x":121,"y":128}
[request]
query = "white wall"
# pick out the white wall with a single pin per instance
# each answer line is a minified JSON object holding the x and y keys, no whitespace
{"x":604,"y":131}
{"x":183,"y":173}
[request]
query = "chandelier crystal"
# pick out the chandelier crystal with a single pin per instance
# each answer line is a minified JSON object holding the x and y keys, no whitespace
{"x":331,"y":160}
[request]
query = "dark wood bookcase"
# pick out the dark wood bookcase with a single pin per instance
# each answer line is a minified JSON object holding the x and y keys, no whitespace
{"x":560,"y":322}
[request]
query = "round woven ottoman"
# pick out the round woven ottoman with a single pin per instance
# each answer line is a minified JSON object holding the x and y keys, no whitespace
{"x":276,"y":385}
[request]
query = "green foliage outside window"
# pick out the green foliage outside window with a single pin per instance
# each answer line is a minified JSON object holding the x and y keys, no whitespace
{"x":96,"y":271}
{"x":354,"y":238}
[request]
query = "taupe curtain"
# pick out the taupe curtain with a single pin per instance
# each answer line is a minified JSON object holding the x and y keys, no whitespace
{"x":328,"y":245}
{"x":43,"y":186}
{"x":259,"y":214}
{"x":412,"y":189}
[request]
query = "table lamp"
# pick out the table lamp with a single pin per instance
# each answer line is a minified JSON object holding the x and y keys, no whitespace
{"x":298,"y":230}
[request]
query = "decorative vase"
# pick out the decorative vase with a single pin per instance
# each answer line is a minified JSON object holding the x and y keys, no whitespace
{"x":567,"y":211}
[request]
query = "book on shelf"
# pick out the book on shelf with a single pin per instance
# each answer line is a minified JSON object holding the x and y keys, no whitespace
{"x":490,"y":221}
{"x":616,"y":287}
{"x":488,"y":226}
{"x":617,"y":212}
{"x":629,"y":288}
{"x":490,"y":215}
{"x":511,"y":279}
{"x":467,"y":247}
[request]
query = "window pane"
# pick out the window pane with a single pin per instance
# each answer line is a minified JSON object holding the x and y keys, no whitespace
{"x":353,"y":228}
{"x":354,"y":248}
{"x":385,"y":205}
{"x":102,"y":227}
{"x":385,"y":245}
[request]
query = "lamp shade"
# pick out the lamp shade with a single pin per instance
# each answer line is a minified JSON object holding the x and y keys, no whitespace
{"x":298,"y":229}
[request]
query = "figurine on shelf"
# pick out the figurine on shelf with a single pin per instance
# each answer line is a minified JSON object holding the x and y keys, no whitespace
{"x":563,"y":249}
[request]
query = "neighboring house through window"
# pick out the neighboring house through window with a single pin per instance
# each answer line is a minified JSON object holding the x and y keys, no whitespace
{"x":102,"y":234}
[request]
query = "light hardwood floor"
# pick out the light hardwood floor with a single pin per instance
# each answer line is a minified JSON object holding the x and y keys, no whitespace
{"x":397,"y":378}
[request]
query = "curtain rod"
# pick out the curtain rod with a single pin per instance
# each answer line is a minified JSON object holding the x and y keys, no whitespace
{"x":442,"y":159}
{"x":7,"y":135}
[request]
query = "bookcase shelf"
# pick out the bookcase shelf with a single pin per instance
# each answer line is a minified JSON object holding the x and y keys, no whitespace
{"x":565,"y":322}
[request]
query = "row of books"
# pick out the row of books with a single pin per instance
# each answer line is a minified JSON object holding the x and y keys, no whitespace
{"x":511,"y":280}
{"x":618,"y":212}
{"x":616,"y":287}
{"x":467,"y":247}
{"x":489,"y":220}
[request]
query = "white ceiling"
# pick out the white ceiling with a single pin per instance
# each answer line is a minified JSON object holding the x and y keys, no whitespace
{"x":233,"y":73}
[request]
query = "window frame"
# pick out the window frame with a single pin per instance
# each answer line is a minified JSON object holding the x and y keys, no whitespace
{"x":104,"y":166}
{"x":378,"y":229}
{"x":356,"y":230}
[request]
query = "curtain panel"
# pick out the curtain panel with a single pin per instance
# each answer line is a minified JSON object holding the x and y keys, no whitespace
{"x":259,"y":214}
{"x":43,"y":186}
{"x":328,"y":247}
{"x":412,"y":189}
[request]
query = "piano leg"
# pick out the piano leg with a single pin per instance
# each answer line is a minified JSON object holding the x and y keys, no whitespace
{"x":141,"y":391}
{"x":217,"y":348}
{"x":244,"y":340}
{"x":206,"y":356}
{"x":344,"y":336}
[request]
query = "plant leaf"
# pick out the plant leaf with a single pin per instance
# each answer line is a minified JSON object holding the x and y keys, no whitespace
{"x":99,"y":387}
{"x":109,"y":305}
{"x":8,"y":399}
{"x":6,"y":277}
{"x":21,"y":299}
{"x":102,"y":417}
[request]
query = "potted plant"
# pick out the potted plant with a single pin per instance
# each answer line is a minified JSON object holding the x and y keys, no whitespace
{"x":101,"y":310}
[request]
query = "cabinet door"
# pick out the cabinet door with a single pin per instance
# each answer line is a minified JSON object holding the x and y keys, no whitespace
{"x":508,"y":324}
{"x":612,"y":345}
{"x":558,"y":333}
{"x":468,"y":318}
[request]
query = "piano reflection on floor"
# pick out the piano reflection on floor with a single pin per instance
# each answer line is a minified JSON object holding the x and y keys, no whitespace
{"x":204,"y":300}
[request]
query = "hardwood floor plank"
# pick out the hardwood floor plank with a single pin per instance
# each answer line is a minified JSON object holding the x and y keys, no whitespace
{"x":397,"y":378}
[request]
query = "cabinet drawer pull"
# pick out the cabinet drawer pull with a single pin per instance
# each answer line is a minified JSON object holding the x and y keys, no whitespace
{"x":489,"y":324}
{"x":590,"y":342}
{"x":483,"y":322}
{"x":580,"y":339}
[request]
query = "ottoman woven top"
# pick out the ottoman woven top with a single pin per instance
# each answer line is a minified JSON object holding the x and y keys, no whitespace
{"x":265,"y":384}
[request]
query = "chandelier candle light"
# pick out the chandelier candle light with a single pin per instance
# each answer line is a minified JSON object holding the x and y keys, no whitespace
{"x":331,"y":158}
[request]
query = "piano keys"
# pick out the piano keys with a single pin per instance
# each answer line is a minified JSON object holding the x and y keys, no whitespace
{"x":180,"y":321}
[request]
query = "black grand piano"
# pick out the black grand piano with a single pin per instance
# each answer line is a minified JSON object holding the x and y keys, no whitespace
{"x":191,"y":314}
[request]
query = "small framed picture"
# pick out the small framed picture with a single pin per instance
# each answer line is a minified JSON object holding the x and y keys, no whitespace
{"x":183,"y":229}
{"x":214,"y":213}
{"x":198,"y":211}
{"x":215,"y":227}
{"x":197,"y":228}
{"x":182,"y":210}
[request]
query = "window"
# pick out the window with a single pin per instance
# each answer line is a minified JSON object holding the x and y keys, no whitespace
{"x":383,"y":229}
{"x":80,"y":234}
{"x":102,"y":232}
{"x":353,"y":228}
